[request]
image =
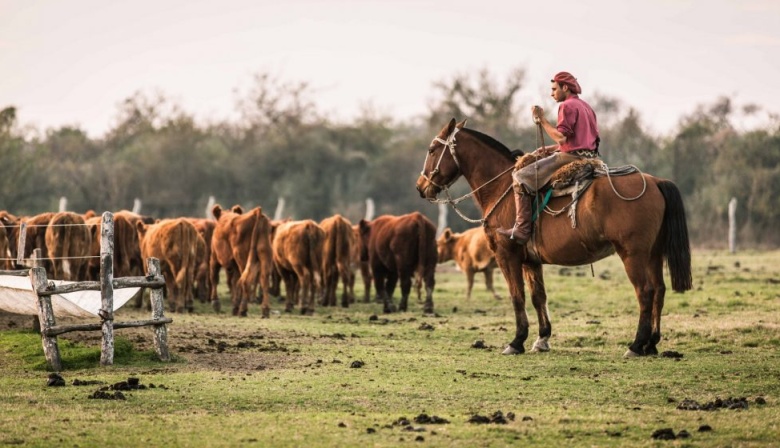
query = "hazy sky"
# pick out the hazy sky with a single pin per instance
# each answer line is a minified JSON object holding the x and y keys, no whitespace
{"x":71,"y":62}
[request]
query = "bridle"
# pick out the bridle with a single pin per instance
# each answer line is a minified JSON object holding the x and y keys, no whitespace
{"x":449,"y":144}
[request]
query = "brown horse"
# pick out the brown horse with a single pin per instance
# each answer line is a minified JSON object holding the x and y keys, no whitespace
{"x":644,"y":232}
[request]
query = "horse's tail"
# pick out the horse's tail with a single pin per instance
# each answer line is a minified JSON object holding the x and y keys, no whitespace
{"x":425,"y":250}
{"x":674,"y":230}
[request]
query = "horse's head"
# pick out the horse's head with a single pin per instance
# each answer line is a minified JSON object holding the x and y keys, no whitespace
{"x":440,"y":169}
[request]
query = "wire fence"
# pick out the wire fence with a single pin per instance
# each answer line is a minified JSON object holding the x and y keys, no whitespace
{"x":21,"y":259}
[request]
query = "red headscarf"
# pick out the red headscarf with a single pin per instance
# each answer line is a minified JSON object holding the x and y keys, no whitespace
{"x":568,"y":79}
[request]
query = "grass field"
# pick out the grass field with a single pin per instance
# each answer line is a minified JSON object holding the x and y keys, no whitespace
{"x":356,"y":377}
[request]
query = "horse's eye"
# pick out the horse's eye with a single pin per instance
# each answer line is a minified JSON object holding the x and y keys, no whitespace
{"x":431,"y":149}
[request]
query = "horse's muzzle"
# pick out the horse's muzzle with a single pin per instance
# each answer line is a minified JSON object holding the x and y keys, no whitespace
{"x":426,"y":189}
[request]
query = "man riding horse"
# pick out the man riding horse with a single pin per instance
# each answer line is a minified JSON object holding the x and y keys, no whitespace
{"x":576,"y":136}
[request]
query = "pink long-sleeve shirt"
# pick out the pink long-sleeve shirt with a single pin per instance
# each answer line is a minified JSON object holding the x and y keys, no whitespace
{"x":577,"y":122}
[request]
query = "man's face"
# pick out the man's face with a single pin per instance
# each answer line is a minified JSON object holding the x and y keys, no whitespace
{"x":559,"y":93}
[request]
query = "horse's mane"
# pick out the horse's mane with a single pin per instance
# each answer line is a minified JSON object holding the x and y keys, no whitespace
{"x":493,"y":143}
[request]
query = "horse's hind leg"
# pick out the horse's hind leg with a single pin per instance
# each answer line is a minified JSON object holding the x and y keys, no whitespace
{"x":535,"y":279}
{"x":637,"y":269}
{"x":656,"y":276}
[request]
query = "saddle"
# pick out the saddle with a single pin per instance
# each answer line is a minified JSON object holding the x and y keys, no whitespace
{"x":571,"y":179}
{"x":568,"y":175}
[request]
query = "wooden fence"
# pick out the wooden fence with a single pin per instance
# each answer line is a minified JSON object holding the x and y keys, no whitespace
{"x":107,"y":284}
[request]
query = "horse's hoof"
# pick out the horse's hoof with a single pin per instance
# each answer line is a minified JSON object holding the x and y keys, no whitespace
{"x":509,"y":350}
{"x":541,"y":345}
{"x":631,"y":354}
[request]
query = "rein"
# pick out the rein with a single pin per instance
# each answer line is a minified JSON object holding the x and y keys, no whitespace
{"x":449,"y":144}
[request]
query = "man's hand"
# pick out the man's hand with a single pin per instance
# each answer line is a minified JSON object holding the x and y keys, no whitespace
{"x":538,"y":113}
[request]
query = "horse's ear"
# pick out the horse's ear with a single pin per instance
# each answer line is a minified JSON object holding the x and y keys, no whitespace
{"x":450,"y":127}
{"x":461,"y":124}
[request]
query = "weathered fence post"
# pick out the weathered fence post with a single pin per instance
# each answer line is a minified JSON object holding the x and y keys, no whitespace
{"x":209,"y":206}
{"x":37,"y":263}
{"x":107,"y":288}
{"x":733,"y":225}
{"x":46,"y":316}
{"x":21,"y":243}
{"x":442,"y":220}
{"x":370,"y":207}
{"x":158,"y":309}
{"x":278,"y":213}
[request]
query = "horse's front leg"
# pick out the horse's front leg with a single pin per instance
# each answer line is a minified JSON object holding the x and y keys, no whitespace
{"x":512,"y":268}
{"x":535,"y":278}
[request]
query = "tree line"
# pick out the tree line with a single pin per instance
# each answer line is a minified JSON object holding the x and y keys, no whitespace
{"x":283,"y":146}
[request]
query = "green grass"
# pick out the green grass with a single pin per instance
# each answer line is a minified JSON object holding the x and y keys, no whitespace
{"x":582,"y":393}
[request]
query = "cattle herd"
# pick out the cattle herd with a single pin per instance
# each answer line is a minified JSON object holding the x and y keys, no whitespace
{"x":259,"y":255}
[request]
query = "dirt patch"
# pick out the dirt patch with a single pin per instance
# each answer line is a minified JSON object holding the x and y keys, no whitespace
{"x":199,"y":347}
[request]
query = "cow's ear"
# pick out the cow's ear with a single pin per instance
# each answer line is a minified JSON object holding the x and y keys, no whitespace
{"x":447,"y":234}
{"x":141,"y":228}
{"x":237,"y":209}
{"x":216,"y":211}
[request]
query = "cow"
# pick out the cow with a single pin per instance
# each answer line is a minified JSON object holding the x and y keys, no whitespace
{"x":396,"y":247}
{"x":242,"y":244}
{"x":68,"y":243}
{"x":222,"y":252}
{"x":205,"y":228}
{"x":337,"y":252}
{"x":297,"y":254}
{"x":127,"y":252}
{"x":6,"y":260}
{"x":127,"y":247}
{"x":174,"y":242}
{"x":35,"y":238}
{"x":11,"y":224}
{"x":471,"y":253}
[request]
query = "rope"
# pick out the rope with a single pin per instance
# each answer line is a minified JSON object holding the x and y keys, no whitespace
{"x":644,"y":183}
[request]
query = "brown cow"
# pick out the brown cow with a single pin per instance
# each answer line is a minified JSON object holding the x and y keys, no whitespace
{"x":242,"y":243}
{"x":11,"y":224}
{"x":471,"y":253}
{"x":93,"y":264}
{"x":127,"y":250}
{"x":297,"y":254}
{"x":205,"y":228}
{"x":396,"y":247}
{"x":222,"y":253}
{"x":174,"y":242}
{"x":6,"y":260}
{"x":337,"y":250}
{"x":35,"y":238}
{"x":127,"y":245}
{"x":68,"y":242}
{"x":251,"y":242}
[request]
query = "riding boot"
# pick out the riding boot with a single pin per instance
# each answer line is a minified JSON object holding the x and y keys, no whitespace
{"x":521,"y":231}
